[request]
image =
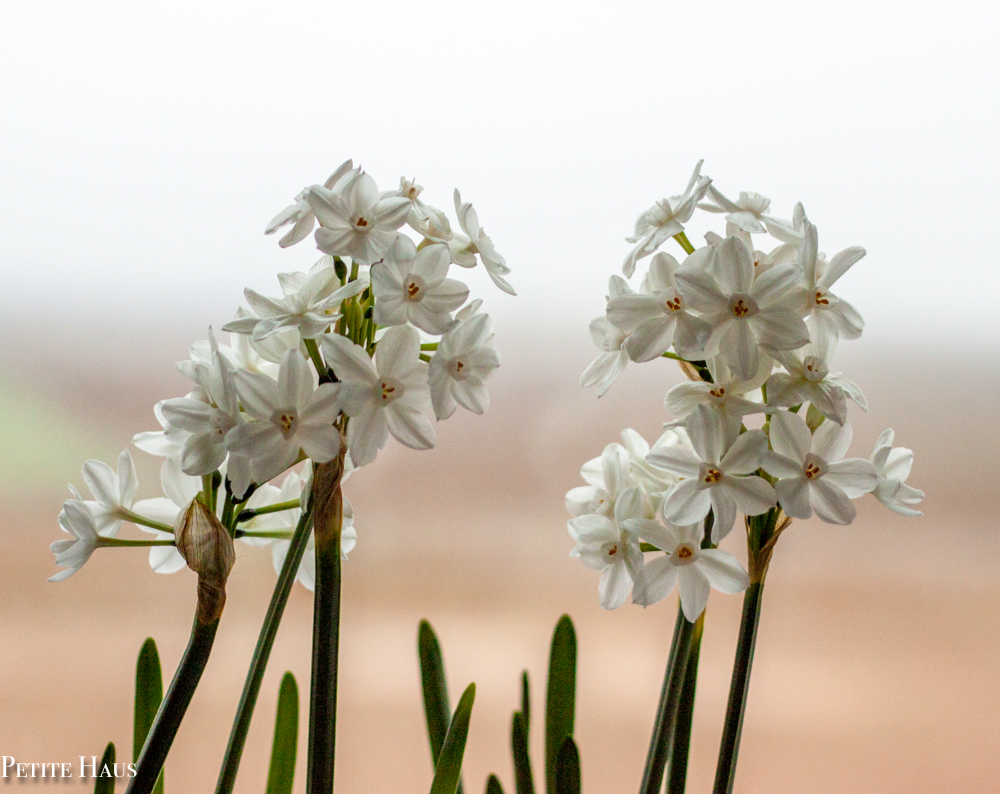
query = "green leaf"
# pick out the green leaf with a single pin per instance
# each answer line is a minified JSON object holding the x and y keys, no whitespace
{"x":523,"y":781}
{"x":448,"y":771}
{"x":526,"y":700}
{"x":148,"y":694}
{"x":568,"y":768}
{"x":493,"y":785}
{"x":286,"y":735}
{"x":436,"y":708}
{"x":106,"y":785}
{"x":560,"y":699}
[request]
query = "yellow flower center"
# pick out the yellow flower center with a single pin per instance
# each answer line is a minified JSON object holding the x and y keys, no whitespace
{"x":740,"y":309}
{"x":713,"y":476}
{"x":685,"y":552}
{"x":812,"y":471}
{"x":362,"y":222}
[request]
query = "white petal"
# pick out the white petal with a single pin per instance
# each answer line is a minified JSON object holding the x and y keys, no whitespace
{"x":694,"y":589}
{"x":790,"y":436}
{"x":723,"y":570}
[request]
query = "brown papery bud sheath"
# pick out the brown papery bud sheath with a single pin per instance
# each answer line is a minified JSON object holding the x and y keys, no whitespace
{"x":207,"y":548}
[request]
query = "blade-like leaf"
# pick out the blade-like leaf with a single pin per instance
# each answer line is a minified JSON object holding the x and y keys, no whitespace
{"x":436,"y":708}
{"x":526,"y":701}
{"x":106,"y":785}
{"x":523,"y":781}
{"x":148,"y":694}
{"x":568,"y":768}
{"x":493,"y":785}
{"x":560,"y":699}
{"x":449,"y":765}
{"x":286,"y":735}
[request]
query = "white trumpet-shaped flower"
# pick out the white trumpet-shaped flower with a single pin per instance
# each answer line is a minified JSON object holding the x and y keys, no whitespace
{"x":746,"y":313}
{"x":412,"y":286}
{"x":892,"y":467}
{"x":602,"y":545}
{"x":77,"y":520}
{"x":300,"y":214}
{"x":748,"y":214}
{"x":607,"y":478}
{"x":387,"y":394}
{"x":294,"y":416}
{"x":479,"y":243}
{"x":808,"y":379}
{"x":811,"y":473}
{"x":697,"y":570}
{"x":718,"y":475}
{"x":726,"y":395}
{"x":605,"y":369}
{"x":357,"y":222}
{"x":665,"y":219}
{"x":113,"y":493}
{"x":420,"y":212}
{"x":463,"y":360}
{"x":658,"y":318}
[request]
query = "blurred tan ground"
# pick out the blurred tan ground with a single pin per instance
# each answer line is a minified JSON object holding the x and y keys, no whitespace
{"x":877,"y":663}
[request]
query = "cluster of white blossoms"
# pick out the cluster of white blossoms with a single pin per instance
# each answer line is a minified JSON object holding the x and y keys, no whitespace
{"x":371,"y":342}
{"x":756,"y":332}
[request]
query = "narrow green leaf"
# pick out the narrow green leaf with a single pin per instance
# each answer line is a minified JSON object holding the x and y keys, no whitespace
{"x":106,"y":785}
{"x":449,"y":766}
{"x":526,"y":701}
{"x":493,"y":785}
{"x":148,"y":694}
{"x":523,"y":781}
{"x":436,"y":708}
{"x":568,"y":768}
{"x":286,"y":735}
{"x":560,"y":699}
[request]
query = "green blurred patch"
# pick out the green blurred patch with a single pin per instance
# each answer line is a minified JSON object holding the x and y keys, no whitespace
{"x":42,"y":446}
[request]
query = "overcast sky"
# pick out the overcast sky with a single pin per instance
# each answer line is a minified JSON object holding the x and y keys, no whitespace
{"x":144,"y":146}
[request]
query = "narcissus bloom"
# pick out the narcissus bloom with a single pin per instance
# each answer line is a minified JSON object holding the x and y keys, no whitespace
{"x":811,"y":475}
{"x":685,"y":561}
{"x":113,"y":493}
{"x":463,"y":360}
{"x":892,"y":466}
{"x":300,"y":214}
{"x":77,"y":520}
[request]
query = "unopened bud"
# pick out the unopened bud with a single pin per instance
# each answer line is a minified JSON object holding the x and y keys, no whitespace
{"x":208,"y":550}
{"x":340,"y":268}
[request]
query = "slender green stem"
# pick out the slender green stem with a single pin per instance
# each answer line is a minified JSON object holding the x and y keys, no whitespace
{"x":666,"y":715}
{"x":135,"y":518}
{"x":725,"y":773}
{"x":681,"y":743}
{"x":278,"y":534}
{"x":172,"y":709}
{"x":103,"y":542}
{"x":317,"y":359}
{"x":261,"y":654}
{"x":681,"y":238}
{"x":251,"y":513}
{"x":429,"y":346}
{"x":328,"y":504}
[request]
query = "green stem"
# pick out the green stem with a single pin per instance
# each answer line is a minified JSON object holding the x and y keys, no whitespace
{"x":329,"y":506}
{"x":666,"y":714}
{"x":172,"y":709}
{"x":277,"y":534}
{"x":725,"y":773}
{"x":121,"y":542}
{"x":135,"y":518}
{"x":252,"y":513}
{"x":317,"y":360}
{"x":261,"y":654}
{"x":685,"y":242}
{"x":681,"y":744}
{"x":429,"y":346}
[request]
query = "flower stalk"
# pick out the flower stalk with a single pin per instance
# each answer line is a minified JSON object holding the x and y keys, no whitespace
{"x":328,"y":504}
{"x":680,"y":745}
{"x":261,"y":654}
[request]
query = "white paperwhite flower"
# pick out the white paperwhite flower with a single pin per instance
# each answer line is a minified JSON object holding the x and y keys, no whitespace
{"x":311,"y":304}
{"x":208,"y":421}
{"x":811,"y":475}
{"x":715,"y":475}
{"x":607,"y":478}
{"x":747,"y":214}
{"x":387,"y":394}
{"x":658,"y":318}
{"x":746,"y":314}
{"x":726,"y":396}
{"x":166,"y":443}
{"x":293,"y":416}
{"x":654,"y":481}
{"x":412,"y":286}
{"x":685,"y":561}
{"x":665,"y":219}
{"x":809,"y":380}
{"x":420,"y":213}
{"x":300,"y":214}
{"x":791,"y":232}
{"x":830,"y":318}
{"x":892,"y":467}
{"x":464,"y":358}
{"x":603,"y":546}
{"x":479,"y":243}
{"x":605,"y":369}
{"x":113,"y":494}
{"x":77,"y":520}
{"x":357,"y":222}
{"x":292,"y":489}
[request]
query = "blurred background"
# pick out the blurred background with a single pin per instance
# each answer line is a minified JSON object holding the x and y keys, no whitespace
{"x":143,"y":149}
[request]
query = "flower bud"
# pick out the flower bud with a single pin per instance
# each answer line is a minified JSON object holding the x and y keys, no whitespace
{"x":207,"y":548}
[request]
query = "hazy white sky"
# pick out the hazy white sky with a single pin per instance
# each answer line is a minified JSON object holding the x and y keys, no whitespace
{"x":144,"y":146}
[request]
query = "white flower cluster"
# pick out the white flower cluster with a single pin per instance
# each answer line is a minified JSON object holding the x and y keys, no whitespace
{"x":755,"y":331}
{"x":367,"y":344}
